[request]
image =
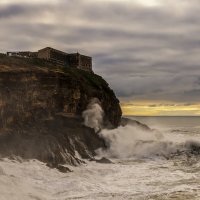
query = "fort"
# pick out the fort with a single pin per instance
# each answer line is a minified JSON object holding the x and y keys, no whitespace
{"x":73,"y":60}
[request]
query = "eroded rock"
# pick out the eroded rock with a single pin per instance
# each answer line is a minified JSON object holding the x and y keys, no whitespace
{"x":41,"y":107}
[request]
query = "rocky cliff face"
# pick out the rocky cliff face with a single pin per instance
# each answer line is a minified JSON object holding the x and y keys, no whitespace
{"x":41,"y":106}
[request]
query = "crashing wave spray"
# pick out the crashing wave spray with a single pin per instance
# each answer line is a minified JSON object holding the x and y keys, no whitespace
{"x":131,"y":141}
{"x":93,"y":115}
{"x":123,"y":141}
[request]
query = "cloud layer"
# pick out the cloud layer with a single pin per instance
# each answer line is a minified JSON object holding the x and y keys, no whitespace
{"x":146,"y":50}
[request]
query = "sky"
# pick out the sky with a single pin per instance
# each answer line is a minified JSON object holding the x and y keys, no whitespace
{"x":147,"y":50}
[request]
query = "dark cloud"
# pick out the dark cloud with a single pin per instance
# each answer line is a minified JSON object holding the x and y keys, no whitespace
{"x":145,"y":53}
{"x":195,"y":92}
{"x":10,"y":11}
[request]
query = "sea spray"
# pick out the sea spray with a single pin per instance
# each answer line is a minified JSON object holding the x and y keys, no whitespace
{"x":130,"y":141}
{"x":123,"y":142}
{"x":133,"y":142}
{"x":93,"y":115}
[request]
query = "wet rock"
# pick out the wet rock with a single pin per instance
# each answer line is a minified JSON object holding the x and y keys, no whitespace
{"x":63,"y":169}
{"x":193,"y":146}
{"x":104,"y":161}
{"x":127,"y":121}
{"x":60,"y":167}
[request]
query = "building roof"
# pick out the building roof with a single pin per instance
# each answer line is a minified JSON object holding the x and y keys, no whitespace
{"x":50,"y":48}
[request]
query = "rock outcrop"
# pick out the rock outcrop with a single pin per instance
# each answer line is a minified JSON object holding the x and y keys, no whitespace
{"x":40,"y":110}
{"x":126,"y":121}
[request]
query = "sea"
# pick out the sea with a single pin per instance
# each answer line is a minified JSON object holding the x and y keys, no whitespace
{"x":158,"y":165}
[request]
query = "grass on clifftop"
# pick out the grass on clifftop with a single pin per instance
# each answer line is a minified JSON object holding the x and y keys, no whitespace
{"x":23,"y":62}
{"x":93,"y":79}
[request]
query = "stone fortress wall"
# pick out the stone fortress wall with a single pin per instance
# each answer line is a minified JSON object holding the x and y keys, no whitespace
{"x":74,"y":60}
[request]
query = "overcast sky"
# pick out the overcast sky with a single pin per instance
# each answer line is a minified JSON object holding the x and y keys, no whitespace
{"x":148,"y":50}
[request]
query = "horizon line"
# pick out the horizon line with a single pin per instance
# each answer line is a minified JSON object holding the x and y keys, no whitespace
{"x":161,"y":115}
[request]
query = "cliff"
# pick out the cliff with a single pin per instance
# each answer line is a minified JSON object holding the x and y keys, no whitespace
{"x":41,"y":106}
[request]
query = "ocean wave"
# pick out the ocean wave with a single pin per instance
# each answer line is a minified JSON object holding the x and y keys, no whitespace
{"x":129,"y":141}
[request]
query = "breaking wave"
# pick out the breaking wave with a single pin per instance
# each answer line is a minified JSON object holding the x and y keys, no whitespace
{"x":134,"y":141}
{"x":124,"y":178}
{"x":127,"y":142}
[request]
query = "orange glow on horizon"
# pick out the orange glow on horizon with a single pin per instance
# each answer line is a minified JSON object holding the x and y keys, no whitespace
{"x":160,"y":109}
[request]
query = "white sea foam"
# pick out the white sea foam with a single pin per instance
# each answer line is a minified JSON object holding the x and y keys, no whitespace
{"x":131,"y":141}
{"x":126,"y":179}
{"x":134,"y":174}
